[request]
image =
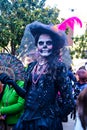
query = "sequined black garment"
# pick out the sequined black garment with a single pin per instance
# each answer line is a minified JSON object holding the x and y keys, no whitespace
{"x":44,"y":109}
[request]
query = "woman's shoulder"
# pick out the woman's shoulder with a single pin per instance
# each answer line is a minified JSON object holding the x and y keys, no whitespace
{"x":84,"y":86}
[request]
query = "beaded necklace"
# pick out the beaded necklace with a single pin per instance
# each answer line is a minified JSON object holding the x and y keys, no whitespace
{"x":38,"y":72}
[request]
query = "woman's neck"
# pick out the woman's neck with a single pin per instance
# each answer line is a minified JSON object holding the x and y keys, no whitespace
{"x":42,"y":61}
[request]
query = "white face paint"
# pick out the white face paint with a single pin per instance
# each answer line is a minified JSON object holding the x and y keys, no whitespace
{"x":45,"y":45}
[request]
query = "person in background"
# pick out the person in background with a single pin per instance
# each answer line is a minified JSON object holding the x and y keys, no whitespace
{"x":11,"y":106}
{"x":86,"y":65}
{"x":81,"y":108}
{"x":45,"y":78}
{"x":82,"y":67}
{"x":81,"y":76}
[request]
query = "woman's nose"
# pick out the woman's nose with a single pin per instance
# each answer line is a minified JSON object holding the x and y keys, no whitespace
{"x":44,"y":45}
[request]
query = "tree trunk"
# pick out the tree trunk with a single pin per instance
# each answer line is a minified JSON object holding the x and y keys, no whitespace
{"x":13,"y":48}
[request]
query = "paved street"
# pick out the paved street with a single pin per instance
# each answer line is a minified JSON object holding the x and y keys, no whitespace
{"x":69,"y":125}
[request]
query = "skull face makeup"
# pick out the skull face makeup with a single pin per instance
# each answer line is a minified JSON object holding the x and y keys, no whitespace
{"x":45,"y":45}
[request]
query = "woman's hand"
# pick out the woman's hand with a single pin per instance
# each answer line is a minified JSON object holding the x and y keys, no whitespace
{"x":5,"y":79}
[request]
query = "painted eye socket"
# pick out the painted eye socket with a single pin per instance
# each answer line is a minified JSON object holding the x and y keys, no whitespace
{"x":41,"y":43}
{"x":47,"y":43}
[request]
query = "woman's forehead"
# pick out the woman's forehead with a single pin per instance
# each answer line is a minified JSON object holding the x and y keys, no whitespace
{"x":45,"y":36}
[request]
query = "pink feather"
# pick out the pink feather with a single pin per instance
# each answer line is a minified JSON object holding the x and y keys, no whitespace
{"x":70,"y":22}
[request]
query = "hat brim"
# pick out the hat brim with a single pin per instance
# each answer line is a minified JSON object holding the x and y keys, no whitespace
{"x":40,"y":28}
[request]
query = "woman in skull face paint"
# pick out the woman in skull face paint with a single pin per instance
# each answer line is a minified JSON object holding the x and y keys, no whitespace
{"x":45,"y":78}
{"x":45,"y":45}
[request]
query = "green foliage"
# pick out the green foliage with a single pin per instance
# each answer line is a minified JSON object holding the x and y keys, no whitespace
{"x":79,"y":49}
{"x":16,"y":15}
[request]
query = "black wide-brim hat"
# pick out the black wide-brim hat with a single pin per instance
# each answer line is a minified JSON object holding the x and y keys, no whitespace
{"x":40,"y":28}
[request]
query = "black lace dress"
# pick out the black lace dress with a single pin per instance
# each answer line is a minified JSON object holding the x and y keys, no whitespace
{"x":43,"y":110}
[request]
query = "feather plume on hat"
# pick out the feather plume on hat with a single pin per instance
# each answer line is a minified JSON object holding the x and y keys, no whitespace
{"x":70,"y":22}
{"x":61,"y":28}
